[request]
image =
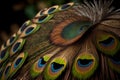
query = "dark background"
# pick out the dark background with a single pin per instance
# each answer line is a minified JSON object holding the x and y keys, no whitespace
{"x":13,"y":13}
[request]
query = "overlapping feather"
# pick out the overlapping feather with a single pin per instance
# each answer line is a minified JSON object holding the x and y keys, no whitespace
{"x":71,"y":41}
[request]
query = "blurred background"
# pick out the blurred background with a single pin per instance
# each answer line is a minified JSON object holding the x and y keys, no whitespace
{"x":13,"y":13}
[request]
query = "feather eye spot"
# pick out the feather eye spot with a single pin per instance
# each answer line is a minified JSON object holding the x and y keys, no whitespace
{"x":7,"y":70}
{"x":17,"y":62}
{"x":29,"y":30}
{"x":23,"y":27}
{"x":38,"y":67}
{"x":66,"y":6}
{"x":42,"y":18}
{"x":41,"y":62}
{"x":85,"y":65}
{"x":55,"y":67}
{"x":107,"y":42}
{"x":2,"y":54}
{"x":69,"y":31}
{"x":74,"y":29}
{"x":51,"y":10}
{"x":16,"y":47}
{"x":5,"y":73}
{"x":84,"y":62}
{"x":12,"y":39}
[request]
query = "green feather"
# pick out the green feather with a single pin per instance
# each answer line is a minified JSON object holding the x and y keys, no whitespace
{"x":17,"y":46}
{"x":42,"y":19}
{"x":74,"y":29}
{"x":107,"y":43}
{"x":38,"y":66}
{"x":17,"y":63}
{"x":52,"y":10}
{"x":30,"y":30}
{"x":12,"y":40}
{"x":52,"y":70}
{"x":23,"y":27}
{"x":84,"y":65}
{"x":4,"y":54}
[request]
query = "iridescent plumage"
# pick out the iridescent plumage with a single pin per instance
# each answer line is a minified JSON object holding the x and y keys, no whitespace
{"x":68,"y":42}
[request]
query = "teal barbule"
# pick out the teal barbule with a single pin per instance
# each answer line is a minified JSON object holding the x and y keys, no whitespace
{"x":74,"y":29}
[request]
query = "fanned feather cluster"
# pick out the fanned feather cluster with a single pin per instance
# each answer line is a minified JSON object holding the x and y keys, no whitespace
{"x":68,"y":42}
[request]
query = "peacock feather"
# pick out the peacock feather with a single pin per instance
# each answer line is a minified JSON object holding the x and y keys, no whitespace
{"x":65,"y":42}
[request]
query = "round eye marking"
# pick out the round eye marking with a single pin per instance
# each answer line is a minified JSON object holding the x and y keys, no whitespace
{"x":18,"y":62}
{"x":6,"y":72}
{"x":107,"y":43}
{"x":74,"y":29}
{"x":66,"y":6}
{"x":12,"y":39}
{"x":52,"y":9}
{"x":55,"y":67}
{"x":4,"y":55}
{"x":42,"y":19}
{"x":9,"y":42}
{"x":84,"y":65}
{"x":38,"y":67}
{"x":17,"y":46}
{"x":30,"y":30}
{"x":85,"y":62}
{"x":23,"y":27}
{"x":69,"y":31}
{"x":41,"y":62}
